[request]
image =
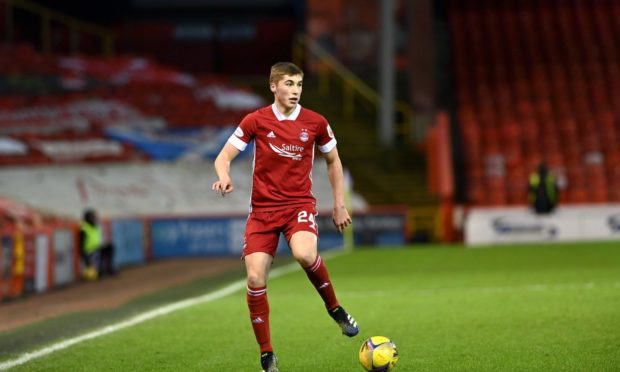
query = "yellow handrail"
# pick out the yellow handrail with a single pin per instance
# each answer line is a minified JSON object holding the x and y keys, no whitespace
{"x":352,"y":85}
{"x":74,"y":25}
{"x":425,"y":219}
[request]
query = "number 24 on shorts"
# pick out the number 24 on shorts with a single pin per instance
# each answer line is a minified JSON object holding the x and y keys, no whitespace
{"x":305,"y":217}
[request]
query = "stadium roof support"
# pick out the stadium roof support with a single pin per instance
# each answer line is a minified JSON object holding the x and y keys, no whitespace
{"x":386,"y":73}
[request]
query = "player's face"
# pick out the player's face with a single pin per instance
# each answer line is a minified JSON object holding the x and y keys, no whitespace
{"x":287,"y":92}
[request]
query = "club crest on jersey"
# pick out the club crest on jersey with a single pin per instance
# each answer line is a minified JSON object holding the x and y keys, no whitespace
{"x":288,"y":151}
{"x":304,"y":136}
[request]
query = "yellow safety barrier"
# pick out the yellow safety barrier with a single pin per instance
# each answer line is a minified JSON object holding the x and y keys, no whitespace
{"x":425,"y":219}
{"x":352,"y":86}
{"x":48,"y":16}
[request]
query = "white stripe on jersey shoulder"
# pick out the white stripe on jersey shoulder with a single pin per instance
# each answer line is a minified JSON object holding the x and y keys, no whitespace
{"x":237,"y":142}
{"x":328,"y":146}
{"x":281,"y":116}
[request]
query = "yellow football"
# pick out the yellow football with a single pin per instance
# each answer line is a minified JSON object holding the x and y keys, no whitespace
{"x":378,"y":354}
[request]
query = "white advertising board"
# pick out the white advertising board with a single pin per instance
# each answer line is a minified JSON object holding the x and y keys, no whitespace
{"x":63,"y":257}
{"x":485,"y":226}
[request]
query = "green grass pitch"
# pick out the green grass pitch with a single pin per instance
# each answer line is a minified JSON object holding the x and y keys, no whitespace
{"x":520,"y":308}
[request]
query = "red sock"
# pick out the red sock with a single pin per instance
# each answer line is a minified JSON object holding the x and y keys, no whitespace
{"x":317,"y":273}
{"x":259,"y":315}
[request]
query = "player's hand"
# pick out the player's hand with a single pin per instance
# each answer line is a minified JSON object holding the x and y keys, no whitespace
{"x":341,"y":218}
{"x":223,"y":187}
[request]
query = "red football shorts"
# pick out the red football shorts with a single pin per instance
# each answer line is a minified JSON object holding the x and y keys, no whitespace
{"x":263,"y":229}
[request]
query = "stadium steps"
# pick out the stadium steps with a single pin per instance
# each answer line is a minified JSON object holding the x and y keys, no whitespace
{"x":383,"y":176}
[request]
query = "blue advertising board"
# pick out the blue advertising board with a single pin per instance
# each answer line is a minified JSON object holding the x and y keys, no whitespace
{"x":386,"y":228}
{"x":218,"y":236}
{"x":128,"y":237}
{"x":200,"y":236}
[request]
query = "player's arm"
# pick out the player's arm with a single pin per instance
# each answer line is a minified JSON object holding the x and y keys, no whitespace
{"x":340,"y":215}
{"x":224,"y":183}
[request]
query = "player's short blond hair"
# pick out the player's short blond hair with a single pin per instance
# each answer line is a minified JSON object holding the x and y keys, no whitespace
{"x":283,"y":68}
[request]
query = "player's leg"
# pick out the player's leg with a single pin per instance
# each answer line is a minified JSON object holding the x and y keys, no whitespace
{"x":261,"y":244}
{"x":304,"y":248}
{"x":303,"y":245}
{"x":257,"y":266}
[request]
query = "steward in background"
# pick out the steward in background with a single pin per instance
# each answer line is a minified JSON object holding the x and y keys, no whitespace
{"x":542,"y":190}
{"x":97,"y":255}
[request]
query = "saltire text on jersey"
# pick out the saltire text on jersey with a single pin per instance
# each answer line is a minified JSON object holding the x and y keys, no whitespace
{"x":284,"y":154}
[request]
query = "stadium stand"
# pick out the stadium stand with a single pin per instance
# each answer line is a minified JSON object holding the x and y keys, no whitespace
{"x":120,"y":113}
{"x":135,"y":139}
{"x":72,"y":109}
{"x":538,"y":81}
{"x":121,"y":133}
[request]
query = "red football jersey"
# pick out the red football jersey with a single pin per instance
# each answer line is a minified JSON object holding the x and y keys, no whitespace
{"x":283,"y":154}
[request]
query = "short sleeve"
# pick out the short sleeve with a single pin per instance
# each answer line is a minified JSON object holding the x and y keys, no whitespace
{"x":244,"y":133}
{"x":325,"y":138}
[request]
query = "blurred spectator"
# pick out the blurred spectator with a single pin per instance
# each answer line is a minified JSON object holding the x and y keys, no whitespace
{"x":96,"y":254}
{"x":542,"y":190}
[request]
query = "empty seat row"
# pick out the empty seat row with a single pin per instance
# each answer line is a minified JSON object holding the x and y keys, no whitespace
{"x":538,"y":80}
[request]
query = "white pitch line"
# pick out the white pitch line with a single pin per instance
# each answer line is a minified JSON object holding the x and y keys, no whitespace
{"x":166,"y":309}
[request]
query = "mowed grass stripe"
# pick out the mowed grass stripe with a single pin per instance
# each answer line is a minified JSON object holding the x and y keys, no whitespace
{"x":508,"y":308}
{"x":525,"y":308}
{"x":36,"y":335}
{"x":148,"y":315}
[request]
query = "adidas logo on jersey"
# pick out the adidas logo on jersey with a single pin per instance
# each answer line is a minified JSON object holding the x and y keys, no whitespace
{"x":258,"y":320}
{"x":271,"y":135}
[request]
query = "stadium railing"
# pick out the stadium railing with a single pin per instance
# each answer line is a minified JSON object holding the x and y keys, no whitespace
{"x":47,"y":16}
{"x":353,"y":88}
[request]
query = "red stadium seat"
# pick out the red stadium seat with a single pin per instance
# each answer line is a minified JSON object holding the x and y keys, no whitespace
{"x":546,"y":84}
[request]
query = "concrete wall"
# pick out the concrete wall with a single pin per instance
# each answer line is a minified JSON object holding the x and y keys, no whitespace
{"x":119,"y":190}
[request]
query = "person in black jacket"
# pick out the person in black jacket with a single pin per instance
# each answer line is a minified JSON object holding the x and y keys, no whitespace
{"x":542,"y":190}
